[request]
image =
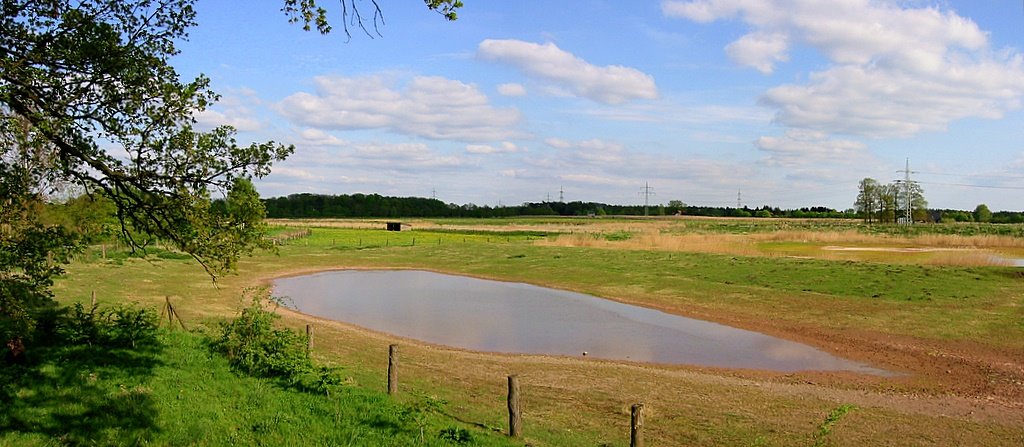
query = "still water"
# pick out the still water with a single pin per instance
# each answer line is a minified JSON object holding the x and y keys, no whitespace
{"x":507,"y":317}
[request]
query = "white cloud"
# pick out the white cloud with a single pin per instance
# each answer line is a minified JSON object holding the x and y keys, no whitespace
{"x":512,"y":89}
{"x":612,"y":84}
{"x":426,"y":106}
{"x":802,"y":147}
{"x":403,"y":157}
{"x":506,"y":147}
{"x":589,"y":179}
{"x":295,"y":174}
{"x":558,"y":143}
{"x":317,"y":137}
{"x":895,"y":70}
{"x":241,"y":119}
{"x":235,"y":109}
{"x":879,"y":101}
{"x":512,"y":173}
{"x":594,"y":151}
{"x":673,"y":112}
{"x":759,"y":50}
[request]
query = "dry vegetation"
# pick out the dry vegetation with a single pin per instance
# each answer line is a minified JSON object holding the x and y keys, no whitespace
{"x":932,"y":249}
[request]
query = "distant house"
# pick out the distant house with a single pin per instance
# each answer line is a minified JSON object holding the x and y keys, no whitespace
{"x":394,"y":226}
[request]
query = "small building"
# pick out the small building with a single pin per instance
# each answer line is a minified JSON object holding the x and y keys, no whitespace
{"x":394,"y":226}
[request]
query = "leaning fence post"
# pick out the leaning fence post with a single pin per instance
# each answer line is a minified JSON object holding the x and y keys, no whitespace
{"x":94,"y":298}
{"x":515,"y":415}
{"x":636,"y":426}
{"x":392,"y":369}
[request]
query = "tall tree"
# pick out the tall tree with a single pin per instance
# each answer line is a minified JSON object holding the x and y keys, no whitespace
{"x":888,"y":203}
{"x":88,"y":97}
{"x":868,"y":199}
{"x":918,"y":204}
{"x":982,"y":213}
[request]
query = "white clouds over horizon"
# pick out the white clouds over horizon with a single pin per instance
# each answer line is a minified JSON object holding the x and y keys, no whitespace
{"x":895,"y":71}
{"x":431,"y":107}
{"x":612,"y":84}
{"x":799,"y":148}
{"x":784,"y":99}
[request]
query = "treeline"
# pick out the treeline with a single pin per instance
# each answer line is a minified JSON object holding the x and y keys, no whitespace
{"x":980,"y":214}
{"x":307,"y":205}
{"x":94,"y":217}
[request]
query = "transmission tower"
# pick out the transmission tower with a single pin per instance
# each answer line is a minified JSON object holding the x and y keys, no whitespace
{"x":561,"y":194}
{"x":739,"y":198}
{"x":647,"y":192}
{"x":908,"y":193}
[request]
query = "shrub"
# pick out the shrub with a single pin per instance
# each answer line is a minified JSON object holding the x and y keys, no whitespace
{"x":254,"y":346}
{"x":79,"y":327}
{"x":128,"y":326}
{"x":122,"y":326}
{"x":456,"y":435}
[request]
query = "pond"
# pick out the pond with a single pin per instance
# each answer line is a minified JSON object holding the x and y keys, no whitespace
{"x":505,"y":317}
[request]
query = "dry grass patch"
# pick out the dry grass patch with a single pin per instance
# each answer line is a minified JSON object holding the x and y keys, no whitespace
{"x":980,"y":250}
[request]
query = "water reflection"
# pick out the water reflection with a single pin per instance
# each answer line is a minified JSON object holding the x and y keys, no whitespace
{"x":520,"y":318}
{"x":1011,"y":262}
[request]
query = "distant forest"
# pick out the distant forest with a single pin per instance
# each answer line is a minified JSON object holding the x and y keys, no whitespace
{"x":308,"y":205}
{"x":374,"y":205}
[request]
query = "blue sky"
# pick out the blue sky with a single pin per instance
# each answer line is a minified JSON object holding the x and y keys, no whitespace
{"x":786,"y":102}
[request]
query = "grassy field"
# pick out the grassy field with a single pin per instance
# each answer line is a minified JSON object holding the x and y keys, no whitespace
{"x":177,"y":393}
{"x":954,"y":332}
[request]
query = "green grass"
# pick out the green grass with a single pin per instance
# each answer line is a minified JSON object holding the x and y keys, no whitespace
{"x":982,"y":305}
{"x":976,"y":304}
{"x":178,"y":393}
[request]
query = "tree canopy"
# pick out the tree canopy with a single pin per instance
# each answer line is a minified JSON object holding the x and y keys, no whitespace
{"x":88,"y":98}
{"x":982,"y":213}
{"x":888,"y":203}
{"x":311,"y":15}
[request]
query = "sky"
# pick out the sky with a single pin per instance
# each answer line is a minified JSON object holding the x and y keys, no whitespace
{"x":787,"y":103}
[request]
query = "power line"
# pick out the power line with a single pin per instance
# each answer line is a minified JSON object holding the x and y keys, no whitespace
{"x":946,"y":174}
{"x":972,"y":186}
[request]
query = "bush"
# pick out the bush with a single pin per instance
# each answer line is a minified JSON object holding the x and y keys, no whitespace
{"x":122,"y":326}
{"x":128,"y":326}
{"x":456,"y":435}
{"x":255,"y":347}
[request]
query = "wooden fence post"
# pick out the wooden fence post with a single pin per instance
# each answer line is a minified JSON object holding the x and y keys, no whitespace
{"x":515,"y":415}
{"x":309,"y":339}
{"x":93,"y":298}
{"x":636,"y":426}
{"x":393,"y":369}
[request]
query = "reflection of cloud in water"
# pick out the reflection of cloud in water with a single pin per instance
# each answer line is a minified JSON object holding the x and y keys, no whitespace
{"x":509,"y":317}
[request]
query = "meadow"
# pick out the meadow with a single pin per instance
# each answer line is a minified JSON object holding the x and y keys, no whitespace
{"x":931,"y":304}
